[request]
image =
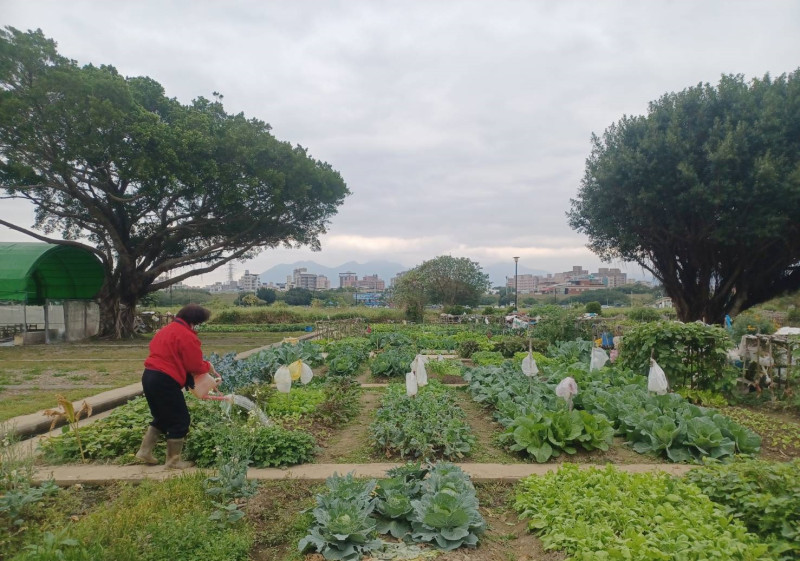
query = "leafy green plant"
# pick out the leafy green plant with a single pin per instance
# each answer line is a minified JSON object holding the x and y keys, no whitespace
{"x":487,"y":358}
{"x":57,"y":546}
{"x":446,"y":367}
{"x":428,"y":425}
{"x":545,"y":434}
{"x":67,"y":411}
{"x":706,"y":398}
{"x":392,"y":363}
{"x":343,"y":528}
{"x":609,"y":514}
{"x":447,"y":512}
{"x":691,"y":354}
{"x":765,"y":496}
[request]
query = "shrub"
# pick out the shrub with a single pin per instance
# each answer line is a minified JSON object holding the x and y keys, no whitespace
{"x":507,"y":345}
{"x":487,"y":358}
{"x":644,"y":314}
{"x":752,"y":322}
{"x":594,"y":308}
{"x":691,"y":354}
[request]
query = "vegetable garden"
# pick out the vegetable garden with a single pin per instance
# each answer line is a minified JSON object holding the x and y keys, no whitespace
{"x":732,"y":505}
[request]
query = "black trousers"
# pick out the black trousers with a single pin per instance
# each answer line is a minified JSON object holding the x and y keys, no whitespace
{"x":167,"y":404}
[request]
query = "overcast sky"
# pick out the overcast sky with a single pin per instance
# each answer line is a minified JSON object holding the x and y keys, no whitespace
{"x":461,"y":128}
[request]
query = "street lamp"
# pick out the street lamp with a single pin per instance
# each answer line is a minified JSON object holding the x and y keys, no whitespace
{"x":516,"y":261}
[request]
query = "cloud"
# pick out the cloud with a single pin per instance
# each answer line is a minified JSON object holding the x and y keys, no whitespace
{"x":458,"y":126}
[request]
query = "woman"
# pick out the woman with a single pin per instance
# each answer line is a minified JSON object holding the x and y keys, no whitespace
{"x":175,"y":359}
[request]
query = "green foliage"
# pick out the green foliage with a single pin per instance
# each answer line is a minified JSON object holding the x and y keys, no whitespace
{"x":392,"y":363}
{"x":250,"y":327}
{"x":445,"y":280}
{"x":302,"y":400}
{"x":230,"y":486}
{"x":752,"y":322}
{"x":652,"y":182}
{"x":507,"y":345}
{"x":343,"y":528}
{"x":441,"y":510}
{"x":706,"y":398}
{"x":267,"y":295}
{"x":594,"y":307}
{"x":487,"y":358}
{"x":341,"y":402}
{"x":467,"y":348}
{"x":692,"y":354}
{"x":644,"y":315}
{"x":610,"y":514}
{"x":297,"y":297}
{"x":17,"y":492}
{"x":232,"y":189}
{"x":447,"y":513}
{"x":764,"y":496}
{"x":446,"y":367}
{"x":557,"y":324}
{"x":154,"y":521}
{"x":429,"y":425}
{"x":118,"y":436}
{"x":346,"y":356}
{"x":545,"y":434}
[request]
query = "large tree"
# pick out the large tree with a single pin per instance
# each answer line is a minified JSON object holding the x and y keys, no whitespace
{"x":703,"y":192}
{"x":443,"y":280}
{"x":146,"y":183}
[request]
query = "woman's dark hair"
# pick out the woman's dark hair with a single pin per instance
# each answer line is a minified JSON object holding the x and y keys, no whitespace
{"x":193,"y":314}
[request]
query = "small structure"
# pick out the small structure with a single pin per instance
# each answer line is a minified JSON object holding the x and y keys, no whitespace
{"x":44,"y":276}
{"x":768,"y":361}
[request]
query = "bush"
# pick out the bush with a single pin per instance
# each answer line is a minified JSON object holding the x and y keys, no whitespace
{"x":467,"y":348}
{"x":507,"y":345}
{"x":644,"y":314}
{"x":752,"y":322}
{"x":691,"y":354}
{"x":594,"y":308}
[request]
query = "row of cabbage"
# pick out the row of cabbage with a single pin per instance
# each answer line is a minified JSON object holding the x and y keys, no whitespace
{"x":351,"y":515}
{"x":610,"y":401}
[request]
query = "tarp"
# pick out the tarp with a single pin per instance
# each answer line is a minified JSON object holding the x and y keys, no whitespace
{"x":32,"y":272}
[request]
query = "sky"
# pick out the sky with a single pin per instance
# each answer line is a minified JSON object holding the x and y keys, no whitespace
{"x":460,"y":127}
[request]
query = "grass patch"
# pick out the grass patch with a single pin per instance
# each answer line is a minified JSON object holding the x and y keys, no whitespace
{"x":30,"y":401}
{"x":150,"y":522}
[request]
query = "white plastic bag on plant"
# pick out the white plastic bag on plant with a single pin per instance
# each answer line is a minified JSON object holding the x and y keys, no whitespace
{"x":306,"y":374}
{"x":656,"y":379}
{"x":422,"y":374}
{"x":411,"y":384}
{"x":599,"y":359}
{"x":529,"y":367}
{"x":283,"y":379}
{"x":567,"y":388}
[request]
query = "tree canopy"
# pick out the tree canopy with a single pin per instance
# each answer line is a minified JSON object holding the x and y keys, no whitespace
{"x":703,"y":192}
{"x":147,"y":183}
{"x":443,"y":280}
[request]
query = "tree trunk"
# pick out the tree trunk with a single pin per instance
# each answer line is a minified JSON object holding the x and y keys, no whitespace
{"x":116,"y":316}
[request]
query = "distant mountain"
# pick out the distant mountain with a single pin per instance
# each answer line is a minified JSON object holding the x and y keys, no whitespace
{"x":384,"y":269}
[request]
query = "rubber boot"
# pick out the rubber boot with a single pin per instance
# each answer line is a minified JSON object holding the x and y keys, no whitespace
{"x":174,"y":448}
{"x":149,"y":442}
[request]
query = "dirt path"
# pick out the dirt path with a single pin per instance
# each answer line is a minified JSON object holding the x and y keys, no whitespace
{"x":350,"y":444}
{"x":484,"y":428}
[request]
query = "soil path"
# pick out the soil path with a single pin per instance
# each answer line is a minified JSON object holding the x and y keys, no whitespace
{"x":484,"y":428}
{"x":354,"y":436}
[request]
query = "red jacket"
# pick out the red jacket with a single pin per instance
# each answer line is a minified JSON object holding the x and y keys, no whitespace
{"x":175,"y":350}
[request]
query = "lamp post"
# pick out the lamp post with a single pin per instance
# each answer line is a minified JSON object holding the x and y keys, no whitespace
{"x":516,"y":261}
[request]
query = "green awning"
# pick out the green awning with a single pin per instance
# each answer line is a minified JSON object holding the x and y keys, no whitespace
{"x":34,"y":272}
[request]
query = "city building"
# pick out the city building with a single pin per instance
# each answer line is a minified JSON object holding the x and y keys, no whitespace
{"x":612,"y":278}
{"x":347,"y":279}
{"x":371,"y":282}
{"x":249,"y":283}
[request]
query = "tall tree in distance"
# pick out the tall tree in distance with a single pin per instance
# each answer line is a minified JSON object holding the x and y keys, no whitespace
{"x":703,"y":192}
{"x":146,"y":183}
{"x":443,"y":280}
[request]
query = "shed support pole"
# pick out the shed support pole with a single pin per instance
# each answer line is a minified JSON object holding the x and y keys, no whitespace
{"x":46,"y":321}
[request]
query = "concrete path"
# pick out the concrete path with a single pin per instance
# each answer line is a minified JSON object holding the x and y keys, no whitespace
{"x":94,"y":474}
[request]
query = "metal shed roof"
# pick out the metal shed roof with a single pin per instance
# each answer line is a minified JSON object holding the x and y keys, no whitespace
{"x":32,"y":272}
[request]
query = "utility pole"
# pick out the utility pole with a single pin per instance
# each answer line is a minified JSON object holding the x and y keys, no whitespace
{"x":516,"y":294}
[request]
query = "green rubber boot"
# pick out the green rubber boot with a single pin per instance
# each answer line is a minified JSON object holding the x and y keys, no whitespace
{"x":149,"y":442}
{"x":174,"y":449}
